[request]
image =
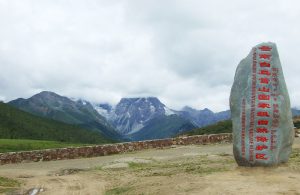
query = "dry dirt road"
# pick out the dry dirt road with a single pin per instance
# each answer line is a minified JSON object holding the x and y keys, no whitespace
{"x":208,"y":169}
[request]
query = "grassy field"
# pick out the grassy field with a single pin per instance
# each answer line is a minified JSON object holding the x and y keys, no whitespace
{"x":191,"y":169}
{"x":13,"y":145}
{"x":7,"y":184}
{"x":219,"y":127}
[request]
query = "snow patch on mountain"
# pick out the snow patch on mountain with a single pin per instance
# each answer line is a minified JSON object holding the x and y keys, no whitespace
{"x":102,"y":111}
{"x":133,"y":114}
{"x":168,"y":111}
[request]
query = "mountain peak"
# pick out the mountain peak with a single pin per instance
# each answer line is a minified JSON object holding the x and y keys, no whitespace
{"x":206,"y":110}
{"x":51,"y":105}
{"x":46,"y":93}
{"x":188,"y":108}
{"x":140,"y":99}
{"x":131,"y":114}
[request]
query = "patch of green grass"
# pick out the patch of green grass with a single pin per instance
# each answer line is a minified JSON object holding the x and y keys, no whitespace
{"x":98,"y":168}
{"x":14,"y":145}
{"x":167,"y":169}
{"x":135,"y":165}
{"x":118,"y":190}
{"x":7,"y":184}
{"x":204,"y":170}
{"x":224,"y":154}
{"x":201,"y":165}
{"x":219,"y":127}
{"x":295,"y":154}
{"x":295,"y":157}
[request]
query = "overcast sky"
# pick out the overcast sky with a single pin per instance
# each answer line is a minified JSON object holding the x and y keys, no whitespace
{"x":183,"y":52}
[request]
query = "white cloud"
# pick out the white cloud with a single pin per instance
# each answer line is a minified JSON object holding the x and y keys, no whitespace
{"x":184,"y":52}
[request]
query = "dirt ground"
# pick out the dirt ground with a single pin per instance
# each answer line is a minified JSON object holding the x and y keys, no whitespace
{"x":208,"y":169}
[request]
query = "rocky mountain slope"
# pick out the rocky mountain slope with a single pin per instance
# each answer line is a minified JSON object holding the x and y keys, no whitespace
{"x":51,"y":105}
{"x":132,"y":114}
{"x":17,"y":124}
{"x":148,"y":117}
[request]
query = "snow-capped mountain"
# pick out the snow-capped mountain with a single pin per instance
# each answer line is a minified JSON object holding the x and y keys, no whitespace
{"x":104,"y":110}
{"x":131,"y":114}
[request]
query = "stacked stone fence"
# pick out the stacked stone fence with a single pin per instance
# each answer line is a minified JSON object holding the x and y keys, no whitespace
{"x":107,"y":149}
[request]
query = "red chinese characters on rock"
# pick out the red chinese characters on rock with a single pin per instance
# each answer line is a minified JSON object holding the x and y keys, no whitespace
{"x":265,"y":72}
{"x":261,"y":139}
{"x":263,"y":122}
{"x":264,"y":80}
{"x":264,"y":104}
{"x":261,"y":147}
{"x":263,"y":114}
{"x":264,"y":89}
{"x":260,"y":156}
{"x":262,"y":130}
{"x":264,"y":64}
{"x":265,"y":56}
{"x":276,"y":114}
{"x":243,"y":134}
{"x":252,"y":106}
{"x":263,"y":97}
{"x":265,"y":48}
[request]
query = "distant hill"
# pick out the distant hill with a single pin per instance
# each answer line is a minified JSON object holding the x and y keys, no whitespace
{"x":163,"y":127}
{"x":203,"y":117}
{"x":219,"y":127}
{"x":17,"y":124}
{"x":53,"y":106}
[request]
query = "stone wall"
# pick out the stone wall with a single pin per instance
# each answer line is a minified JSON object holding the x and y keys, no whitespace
{"x":102,"y":150}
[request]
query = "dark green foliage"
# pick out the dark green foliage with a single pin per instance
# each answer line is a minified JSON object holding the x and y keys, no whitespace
{"x":220,"y":127}
{"x":163,"y":127}
{"x":14,"y":145}
{"x":297,"y":124}
{"x":17,"y":124}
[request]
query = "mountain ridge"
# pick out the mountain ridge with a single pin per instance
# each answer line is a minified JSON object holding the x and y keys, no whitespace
{"x":137,"y":112}
{"x":51,"y":105}
{"x":18,"y":124}
{"x":134,"y":118}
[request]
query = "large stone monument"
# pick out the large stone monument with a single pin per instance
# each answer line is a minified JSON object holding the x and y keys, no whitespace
{"x":260,"y":107}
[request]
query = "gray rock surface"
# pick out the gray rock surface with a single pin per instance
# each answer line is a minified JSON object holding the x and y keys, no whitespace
{"x":260,"y":110}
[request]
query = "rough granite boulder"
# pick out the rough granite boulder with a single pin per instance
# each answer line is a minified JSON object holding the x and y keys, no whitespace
{"x":260,"y":110}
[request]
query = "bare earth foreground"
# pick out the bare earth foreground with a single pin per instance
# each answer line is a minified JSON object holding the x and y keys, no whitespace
{"x":194,"y":169}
